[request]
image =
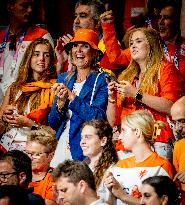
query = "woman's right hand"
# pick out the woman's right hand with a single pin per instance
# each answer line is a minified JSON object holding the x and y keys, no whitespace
{"x":112,"y":90}
{"x":61,"y":91}
{"x":9,"y":113}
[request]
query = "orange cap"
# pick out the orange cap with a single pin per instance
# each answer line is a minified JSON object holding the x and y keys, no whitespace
{"x":84,"y":35}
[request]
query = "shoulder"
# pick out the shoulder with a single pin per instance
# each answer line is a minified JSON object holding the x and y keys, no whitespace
{"x":62,"y":77}
{"x":125,"y":163}
{"x":180,"y":143}
{"x":35,"y":199}
{"x":167,"y":67}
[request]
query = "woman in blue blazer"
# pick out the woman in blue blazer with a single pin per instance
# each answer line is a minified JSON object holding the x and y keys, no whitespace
{"x":81,"y":95}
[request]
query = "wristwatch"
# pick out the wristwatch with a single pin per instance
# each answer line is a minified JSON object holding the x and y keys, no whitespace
{"x":138,"y":96}
{"x":35,"y":127}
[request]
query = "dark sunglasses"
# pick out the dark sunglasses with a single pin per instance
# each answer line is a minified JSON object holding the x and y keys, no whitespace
{"x":12,"y":44}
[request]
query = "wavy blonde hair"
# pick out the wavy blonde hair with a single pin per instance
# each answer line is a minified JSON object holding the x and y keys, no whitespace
{"x":25,"y":76}
{"x":155,"y":58}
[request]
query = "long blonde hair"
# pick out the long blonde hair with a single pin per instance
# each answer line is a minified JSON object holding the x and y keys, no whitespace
{"x":25,"y":75}
{"x":154,"y":60}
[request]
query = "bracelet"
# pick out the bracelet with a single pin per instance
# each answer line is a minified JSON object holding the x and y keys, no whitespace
{"x":111,"y":100}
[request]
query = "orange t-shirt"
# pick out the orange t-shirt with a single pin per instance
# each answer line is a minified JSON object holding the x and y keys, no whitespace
{"x":130,"y":173}
{"x":179,"y":157}
{"x":44,"y":187}
{"x":170,"y":88}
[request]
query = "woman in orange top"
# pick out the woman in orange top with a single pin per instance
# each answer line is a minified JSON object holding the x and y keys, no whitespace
{"x":149,"y":82}
{"x":28,"y":100}
{"x":40,"y":147}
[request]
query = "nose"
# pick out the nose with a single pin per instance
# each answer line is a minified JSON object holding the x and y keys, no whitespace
{"x":60,"y":196}
{"x":178,"y":127}
{"x":77,"y":20}
{"x":142,"y":201}
{"x":41,"y":57}
{"x":161,"y":20}
{"x":82,"y":141}
{"x":30,"y":9}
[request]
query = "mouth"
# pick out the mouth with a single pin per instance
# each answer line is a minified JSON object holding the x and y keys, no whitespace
{"x":80,"y":56}
{"x":134,"y":52}
{"x":162,"y":29}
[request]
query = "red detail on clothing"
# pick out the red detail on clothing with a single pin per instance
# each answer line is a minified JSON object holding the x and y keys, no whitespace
{"x":142,"y":174}
{"x":135,"y":192}
{"x":39,"y":115}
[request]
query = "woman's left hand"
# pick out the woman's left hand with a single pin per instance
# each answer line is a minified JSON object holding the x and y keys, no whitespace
{"x":126,"y":89}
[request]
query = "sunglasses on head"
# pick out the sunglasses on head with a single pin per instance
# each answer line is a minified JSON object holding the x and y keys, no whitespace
{"x":12,"y":44}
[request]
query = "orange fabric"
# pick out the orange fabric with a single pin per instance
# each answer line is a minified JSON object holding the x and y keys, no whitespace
{"x":116,"y":55}
{"x":47,"y":97}
{"x":44,"y":187}
{"x":179,"y":157}
{"x":170,"y":87}
{"x":32,"y":33}
{"x":153,"y":160}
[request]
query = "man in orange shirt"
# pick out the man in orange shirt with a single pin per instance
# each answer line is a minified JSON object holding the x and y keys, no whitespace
{"x":178,"y":115}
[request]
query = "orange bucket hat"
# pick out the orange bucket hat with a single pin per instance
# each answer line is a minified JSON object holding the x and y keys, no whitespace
{"x":84,"y":35}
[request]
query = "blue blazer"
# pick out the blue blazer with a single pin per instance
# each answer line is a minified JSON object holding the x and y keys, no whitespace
{"x":81,"y":109}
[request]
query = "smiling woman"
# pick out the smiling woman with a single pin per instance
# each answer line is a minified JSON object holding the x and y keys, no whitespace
{"x":81,"y":95}
{"x":29,"y":99}
{"x":150,"y":83}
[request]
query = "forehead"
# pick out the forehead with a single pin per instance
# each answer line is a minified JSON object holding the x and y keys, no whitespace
{"x":169,"y":11}
{"x":83,"y":9}
{"x":24,"y":1}
{"x":147,"y":188}
{"x":178,"y":112}
{"x":63,"y":182}
{"x":88,"y":129}
{"x":5,"y":165}
{"x":42,"y":47}
{"x":35,"y":146}
{"x":138,"y":34}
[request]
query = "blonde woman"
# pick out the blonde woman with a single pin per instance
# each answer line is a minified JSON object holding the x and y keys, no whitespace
{"x":40,"y":147}
{"x":81,"y":95}
{"x":138,"y":130}
{"x":150,"y":82}
{"x":28,"y":100}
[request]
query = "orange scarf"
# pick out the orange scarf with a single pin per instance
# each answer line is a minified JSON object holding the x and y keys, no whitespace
{"x":39,"y":115}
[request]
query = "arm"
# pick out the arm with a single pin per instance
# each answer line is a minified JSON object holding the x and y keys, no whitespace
{"x":160,"y":104}
{"x":111,"y":107}
{"x":116,"y":191}
{"x":61,"y":55}
{"x":114,"y":52}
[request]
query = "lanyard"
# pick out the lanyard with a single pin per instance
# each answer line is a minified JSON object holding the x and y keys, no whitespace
{"x":5,"y":39}
{"x":3,"y":46}
{"x":175,"y":59}
{"x":149,"y":22}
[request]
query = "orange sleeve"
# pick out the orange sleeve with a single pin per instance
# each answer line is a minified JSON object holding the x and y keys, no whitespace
{"x":115,"y":54}
{"x":170,"y":82}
